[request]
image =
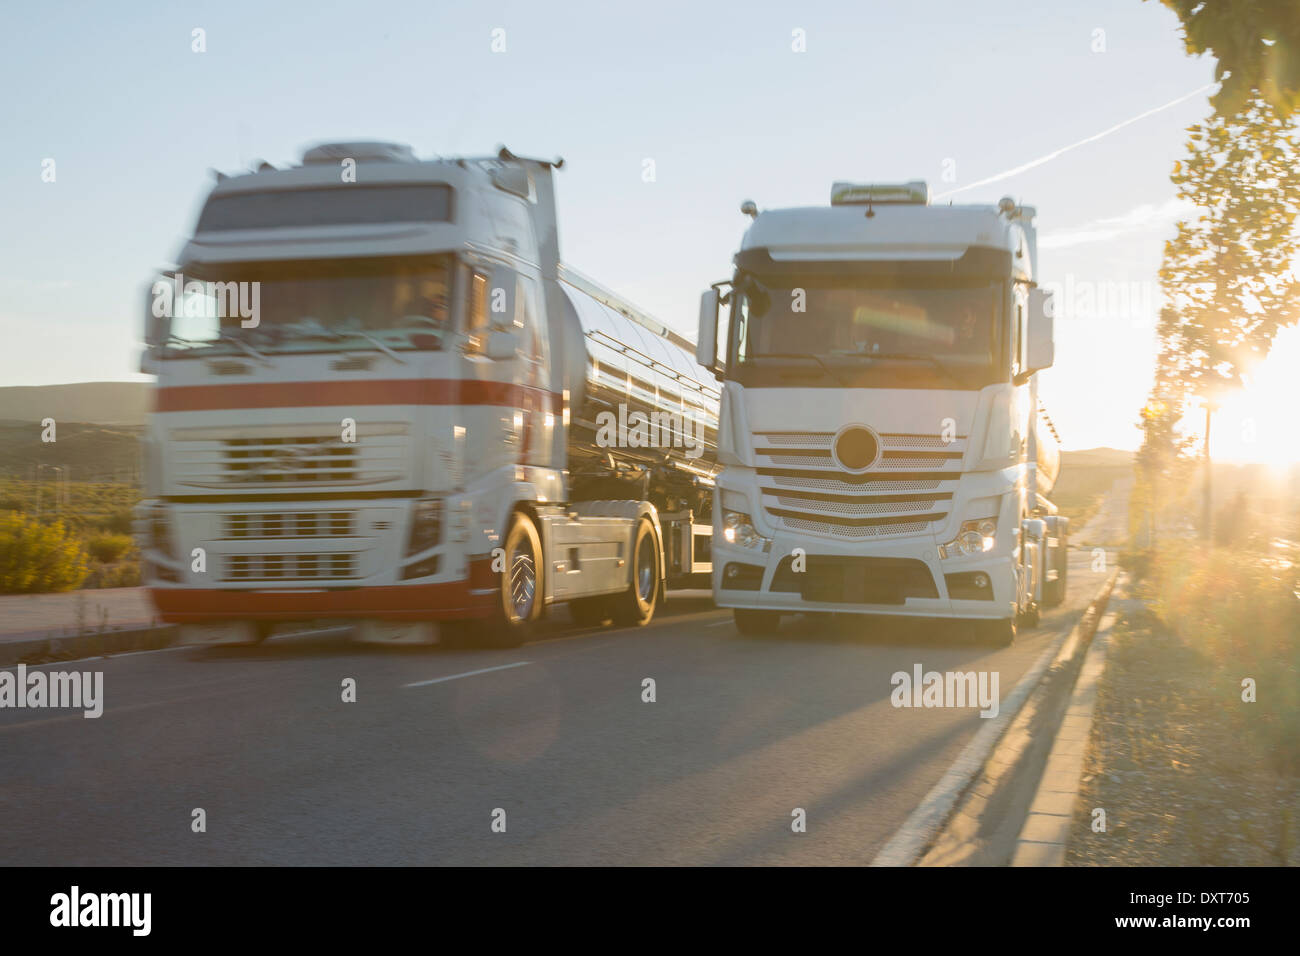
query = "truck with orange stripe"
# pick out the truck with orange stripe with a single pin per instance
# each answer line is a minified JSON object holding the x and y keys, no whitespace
{"x":382,"y":400}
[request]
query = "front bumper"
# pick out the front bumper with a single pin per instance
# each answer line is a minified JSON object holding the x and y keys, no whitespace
{"x":901,"y":577}
{"x":471,"y":597}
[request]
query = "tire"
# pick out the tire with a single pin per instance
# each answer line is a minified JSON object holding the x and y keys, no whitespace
{"x":261,"y":631}
{"x":1031,"y":617}
{"x":636,"y":606}
{"x":1000,"y":633}
{"x":590,"y":611}
{"x":753,"y":623}
{"x":1062,"y":582}
{"x":519,"y":599}
{"x":1054,"y":591}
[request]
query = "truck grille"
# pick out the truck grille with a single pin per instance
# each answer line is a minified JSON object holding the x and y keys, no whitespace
{"x":281,"y":567}
{"x":908,"y":490}
{"x":281,"y":457}
{"x":293,"y":524}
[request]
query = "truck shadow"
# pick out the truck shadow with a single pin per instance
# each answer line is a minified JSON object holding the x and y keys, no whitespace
{"x":862,"y":629}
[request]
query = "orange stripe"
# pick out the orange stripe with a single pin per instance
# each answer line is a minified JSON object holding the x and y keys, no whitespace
{"x":437,"y":391}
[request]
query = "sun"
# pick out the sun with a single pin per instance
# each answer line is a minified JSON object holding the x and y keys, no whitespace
{"x":1261,"y":422}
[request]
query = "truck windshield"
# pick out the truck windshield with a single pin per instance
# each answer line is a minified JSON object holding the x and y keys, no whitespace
{"x":866,"y":332}
{"x":297,"y":305}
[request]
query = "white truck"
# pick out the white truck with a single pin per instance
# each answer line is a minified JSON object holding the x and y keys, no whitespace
{"x":882,"y":447}
{"x":382,"y":400}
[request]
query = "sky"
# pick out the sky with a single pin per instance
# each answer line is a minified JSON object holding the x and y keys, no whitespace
{"x":714,"y":94}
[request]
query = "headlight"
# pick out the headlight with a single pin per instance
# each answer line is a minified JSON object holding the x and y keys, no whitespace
{"x":426,"y":525}
{"x":974,"y":537}
{"x":737,"y":528}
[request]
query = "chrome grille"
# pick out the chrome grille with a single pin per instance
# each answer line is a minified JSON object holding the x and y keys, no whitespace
{"x":850,"y":531}
{"x":908,"y":490}
{"x":293,"y":524}
{"x":280,"y":567}
{"x":298,"y":459}
{"x":258,"y":459}
{"x":860,"y":507}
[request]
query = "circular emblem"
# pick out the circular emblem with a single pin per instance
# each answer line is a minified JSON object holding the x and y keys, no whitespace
{"x":855,"y":448}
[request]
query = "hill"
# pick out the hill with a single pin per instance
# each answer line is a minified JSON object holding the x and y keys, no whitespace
{"x":95,"y":403}
{"x":1097,"y":458}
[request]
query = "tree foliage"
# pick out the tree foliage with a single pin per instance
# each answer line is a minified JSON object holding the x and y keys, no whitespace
{"x":1228,"y":273}
{"x":1256,"y":44}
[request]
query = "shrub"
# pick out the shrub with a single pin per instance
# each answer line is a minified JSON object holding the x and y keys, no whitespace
{"x":124,"y":574}
{"x":37,"y":557}
{"x":107,"y":548}
{"x":1241,"y":612}
{"x":118,"y":521}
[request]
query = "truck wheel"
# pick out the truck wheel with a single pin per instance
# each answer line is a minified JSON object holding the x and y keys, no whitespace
{"x":754,"y":623}
{"x":1001,"y":633}
{"x":1053,"y":593}
{"x":1061,"y":583}
{"x":590,"y":611}
{"x":519,"y":598}
{"x":1031,"y":616}
{"x":636,"y":606}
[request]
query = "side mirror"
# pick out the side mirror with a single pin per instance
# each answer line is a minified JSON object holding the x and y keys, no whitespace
{"x":502,"y":344}
{"x":1041,"y":352}
{"x":706,"y":342}
{"x":158,"y":307}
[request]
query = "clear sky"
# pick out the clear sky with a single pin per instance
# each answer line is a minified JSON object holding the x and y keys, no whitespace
{"x":714,"y":94}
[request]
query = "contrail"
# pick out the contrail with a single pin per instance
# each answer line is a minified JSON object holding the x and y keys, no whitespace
{"x":1065,"y":149}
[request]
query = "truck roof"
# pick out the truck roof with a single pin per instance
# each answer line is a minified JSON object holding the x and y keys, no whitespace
{"x":888,"y":231}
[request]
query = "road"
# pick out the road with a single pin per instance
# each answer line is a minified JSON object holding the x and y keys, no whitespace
{"x":741,"y":733}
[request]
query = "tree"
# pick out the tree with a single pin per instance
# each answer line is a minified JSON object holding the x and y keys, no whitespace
{"x":1227,"y":273}
{"x":1227,"y":276}
{"x":1256,"y":43}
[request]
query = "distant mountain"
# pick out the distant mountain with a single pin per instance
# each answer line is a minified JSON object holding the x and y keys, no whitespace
{"x":1097,"y":458}
{"x":95,"y":403}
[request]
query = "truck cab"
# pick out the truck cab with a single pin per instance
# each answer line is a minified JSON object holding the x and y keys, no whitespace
{"x":371,"y":370}
{"x":880,"y":438}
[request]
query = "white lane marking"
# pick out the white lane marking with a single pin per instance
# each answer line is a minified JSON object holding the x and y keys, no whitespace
{"x":719,"y":623}
{"x":482,"y":670}
{"x":104,"y":657}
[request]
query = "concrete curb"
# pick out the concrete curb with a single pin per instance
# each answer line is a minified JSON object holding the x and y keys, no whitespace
{"x":927,"y":822}
{"x":1046,"y":831}
{"x":42,"y":650}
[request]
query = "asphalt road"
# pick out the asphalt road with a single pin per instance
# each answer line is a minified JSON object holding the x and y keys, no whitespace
{"x":741,"y":733}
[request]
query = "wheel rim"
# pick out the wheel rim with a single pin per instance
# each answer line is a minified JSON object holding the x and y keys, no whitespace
{"x":523,"y":581}
{"x":645,"y":569}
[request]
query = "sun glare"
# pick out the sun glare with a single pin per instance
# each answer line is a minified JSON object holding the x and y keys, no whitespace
{"x":1258,"y":423}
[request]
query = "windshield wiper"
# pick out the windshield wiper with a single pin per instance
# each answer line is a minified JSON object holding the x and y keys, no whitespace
{"x":797,"y":355}
{"x":315,"y":330}
{"x":934,"y":360}
{"x":222,"y":337}
{"x":379,"y":345}
{"x":240,"y":343}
